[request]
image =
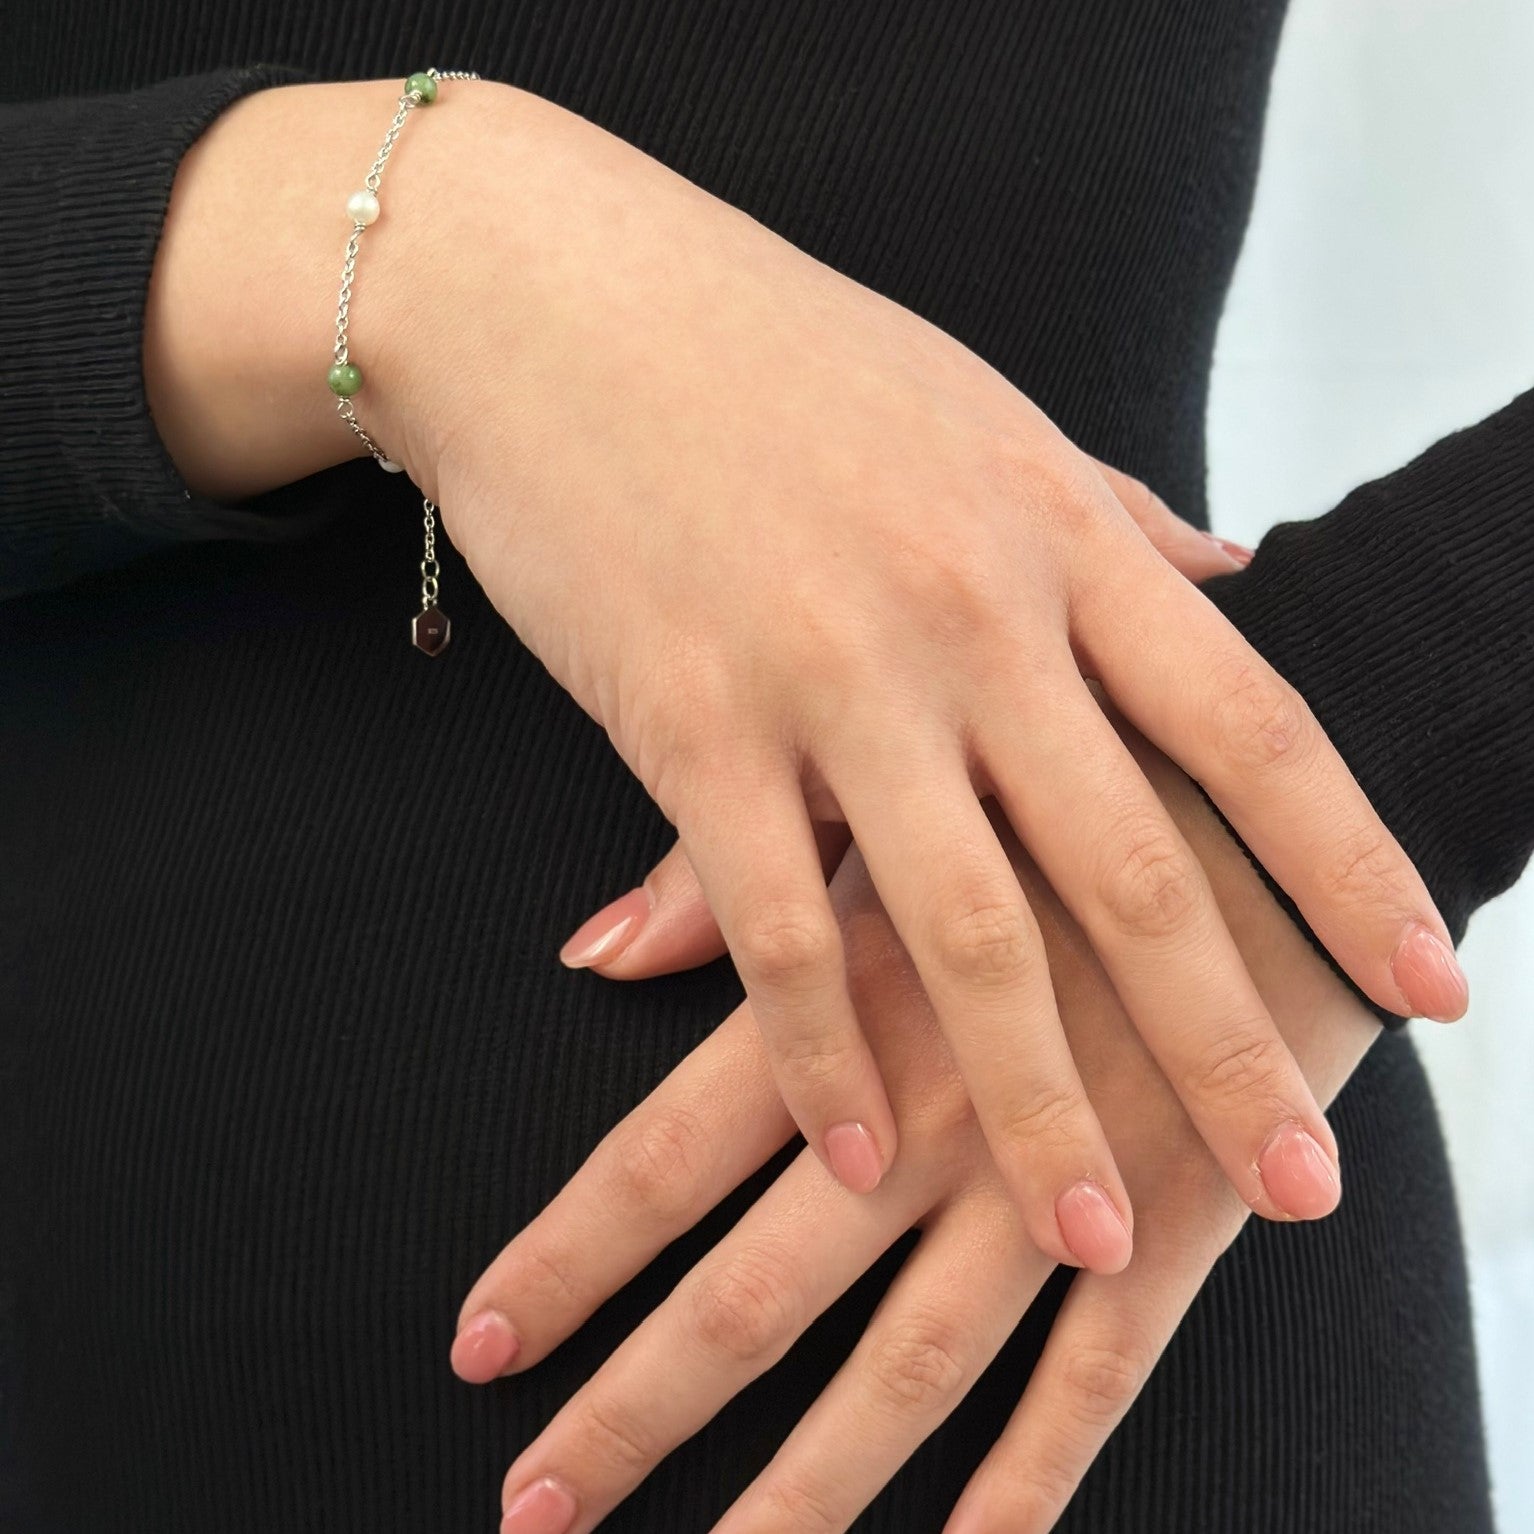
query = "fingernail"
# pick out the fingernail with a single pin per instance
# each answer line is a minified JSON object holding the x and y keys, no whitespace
{"x":485,"y":1348}
{"x":608,"y":933}
{"x":854,"y":1157}
{"x":1092,"y":1227}
{"x":1238,"y":554}
{"x":1431,"y":981}
{"x":545,"y":1507}
{"x":1299,"y":1176}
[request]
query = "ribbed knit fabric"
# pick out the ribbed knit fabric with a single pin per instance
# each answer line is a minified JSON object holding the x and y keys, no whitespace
{"x":285,"y":1054}
{"x":84,"y":478}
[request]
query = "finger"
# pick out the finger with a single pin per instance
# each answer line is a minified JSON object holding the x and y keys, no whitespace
{"x":949,"y":890}
{"x":750,"y":838}
{"x":729,"y":1320}
{"x":1190,"y":551}
{"x":1186,"y":678}
{"x":1102,"y":1347}
{"x":665,"y":925}
{"x":955,"y":1302}
{"x":661,"y":927}
{"x":1141,"y":897}
{"x":706,"y":1128}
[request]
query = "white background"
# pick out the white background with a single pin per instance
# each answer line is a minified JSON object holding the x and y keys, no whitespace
{"x":1386,"y":296}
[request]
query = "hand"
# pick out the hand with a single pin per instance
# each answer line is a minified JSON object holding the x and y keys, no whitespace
{"x":961,"y":1293}
{"x":803,"y":555}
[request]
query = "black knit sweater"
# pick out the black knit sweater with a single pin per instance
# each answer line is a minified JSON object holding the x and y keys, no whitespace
{"x":278,"y":899}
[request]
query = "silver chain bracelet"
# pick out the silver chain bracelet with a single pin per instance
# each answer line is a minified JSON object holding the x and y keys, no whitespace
{"x":430,"y":628}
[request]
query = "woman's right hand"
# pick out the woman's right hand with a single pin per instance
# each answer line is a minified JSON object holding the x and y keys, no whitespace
{"x":804,"y":555}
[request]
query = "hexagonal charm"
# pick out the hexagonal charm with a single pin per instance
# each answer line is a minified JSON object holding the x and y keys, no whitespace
{"x":430,"y":630}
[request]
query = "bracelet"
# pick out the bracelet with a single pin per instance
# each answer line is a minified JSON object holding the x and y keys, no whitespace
{"x":430,"y":628}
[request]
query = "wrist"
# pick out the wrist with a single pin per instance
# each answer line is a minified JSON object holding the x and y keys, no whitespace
{"x":242,"y":301}
{"x":225,"y":323}
{"x":436,"y":268}
{"x":478,"y":217}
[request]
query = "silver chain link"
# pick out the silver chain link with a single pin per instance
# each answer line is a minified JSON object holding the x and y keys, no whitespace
{"x":430,"y":569}
{"x":408,"y":102}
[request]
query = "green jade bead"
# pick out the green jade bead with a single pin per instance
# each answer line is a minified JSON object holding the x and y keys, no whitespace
{"x":422,"y":82}
{"x":344,"y":378}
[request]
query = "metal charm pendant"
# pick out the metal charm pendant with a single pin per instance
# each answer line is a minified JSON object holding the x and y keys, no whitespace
{"x":430,"y":630}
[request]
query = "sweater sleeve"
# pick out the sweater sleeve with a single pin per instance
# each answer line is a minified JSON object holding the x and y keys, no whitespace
{"x":85,"y":481}
{"x":1405,"y":617}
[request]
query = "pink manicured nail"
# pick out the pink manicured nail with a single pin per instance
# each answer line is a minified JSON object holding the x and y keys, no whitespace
{"x":854,"y":1157}
{"x":1298,"y":1174}
{"x":485,"y":1348}
{"x":1239,"y":553}
{"x":1093,"y":1228}
{"x":608,"y":933}
{"x":1432,"y":983}
{"x":545,"y":1507}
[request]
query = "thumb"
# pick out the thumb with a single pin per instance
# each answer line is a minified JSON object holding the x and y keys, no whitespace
{"x":1195,"y":554}
{"x":666,"y":925}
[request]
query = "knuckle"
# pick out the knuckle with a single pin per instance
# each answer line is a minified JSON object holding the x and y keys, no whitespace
{"x":688,"y":681}
{"x":916,"y":1368}
{"x":1140,"y":501}
{"x":1022,"y":1496}
{"x":1044,"y":472}
{"x":1045,"y":1121}
{"x":803,"y":1507}
{"x":816,"y":1059}
{"x":984,"y":943}
{"x":787,"y":943}
{"x":1259,"y":719}
{"x":1364,"y":864}
{"x":1151,"y":889}
{"x":617,"y":1435}
{"x":659,"y":1165}
{"x":1054,"y":1481}
{"x":547,"y":1280}
{"x":1250,"y":1062}
{"x":677,"y":713}
{"x":957,"y":598}
{"x":745,"y":1309}
{"x":1016,"y":465}
{"x":1102,"y":1381}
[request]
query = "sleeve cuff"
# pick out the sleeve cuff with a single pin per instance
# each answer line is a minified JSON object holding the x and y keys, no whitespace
{"x":85,"y":481}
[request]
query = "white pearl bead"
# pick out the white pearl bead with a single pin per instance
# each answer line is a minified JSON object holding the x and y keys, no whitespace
{"x":362,"y":207}
{"x":389,"y":466}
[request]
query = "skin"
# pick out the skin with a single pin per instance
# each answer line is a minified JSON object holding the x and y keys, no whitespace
{"x":971,"y":1277}
{"x":847,"y":573}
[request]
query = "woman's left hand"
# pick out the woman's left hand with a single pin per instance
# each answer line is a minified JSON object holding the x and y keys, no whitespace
{"x":718,"y":1117}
